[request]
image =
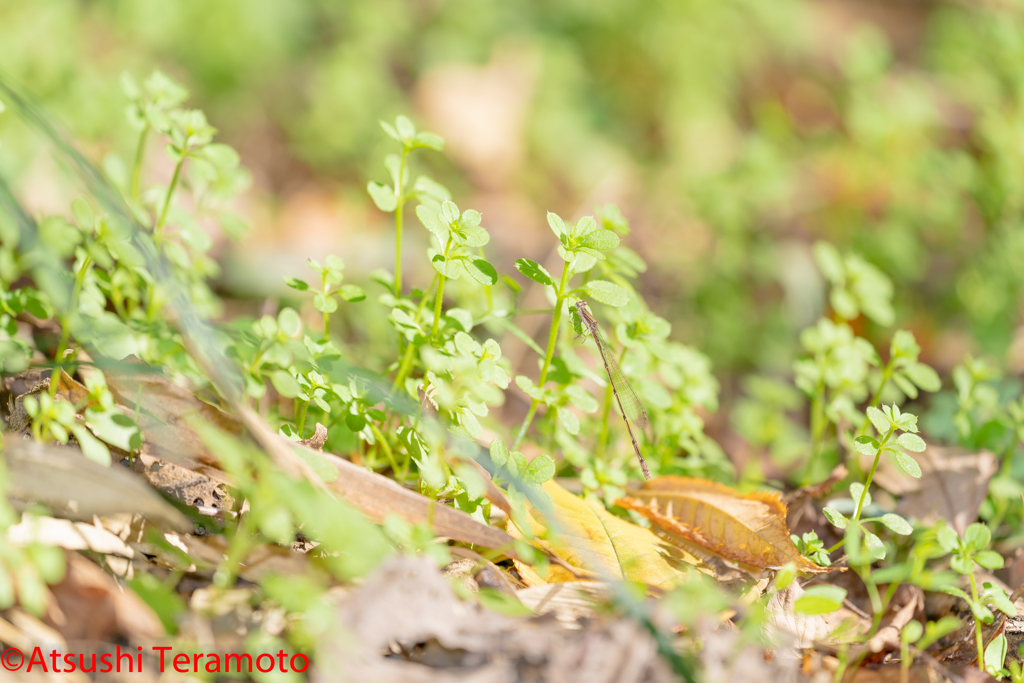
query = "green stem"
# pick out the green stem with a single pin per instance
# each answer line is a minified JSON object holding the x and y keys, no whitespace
{"x":818,"y":423}
{"x":406,"y":365}
{"x":326,"y":289}
{"x":302,"y":417}
{"x":886,"y":374}
{"x":552,"y":342}
{"x":871,"y":475}
{"x":400,"y":192}
{"x":977,"y":626}
{"x":140,"y":152}
{"x":170,"y":192}
{"x":400,"y":474}
{"x":439,"y":299}
{"x":65,"y":328}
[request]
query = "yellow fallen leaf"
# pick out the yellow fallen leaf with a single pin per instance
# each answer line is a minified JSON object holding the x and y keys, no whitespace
{"x":596,"y":541}
{"x":746,"y":529}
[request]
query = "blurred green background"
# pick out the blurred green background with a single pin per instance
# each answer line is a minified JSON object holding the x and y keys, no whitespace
{"x":732,"y":133}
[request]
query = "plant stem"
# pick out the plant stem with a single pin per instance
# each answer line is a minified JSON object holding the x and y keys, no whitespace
{"x":438,"y":300}
{"x":170,"y":193}
{"x":400,"y":196}
{"x":326,"y":289}
{"x":140,"y":152}
{"x":818,"y":423}
{"x":302,"y":417}
{"x":552,"y":342}
{"x":406,"y":365}
{"x":871,"y":475}
{"x":977,"y":625}
{"x":65,"y":330}
{"x":886,"y":374}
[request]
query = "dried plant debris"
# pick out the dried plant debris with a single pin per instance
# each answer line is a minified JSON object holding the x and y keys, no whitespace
{"x":407,"y":624}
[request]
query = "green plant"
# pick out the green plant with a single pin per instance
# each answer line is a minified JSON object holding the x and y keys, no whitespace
{"x":921,"y":637}
{"x":968,"y":553}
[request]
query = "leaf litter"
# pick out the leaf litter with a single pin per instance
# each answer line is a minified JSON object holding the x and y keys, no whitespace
{"x":406,"y":621}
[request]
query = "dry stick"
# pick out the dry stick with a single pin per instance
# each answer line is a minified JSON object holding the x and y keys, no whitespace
{"x":629,"y":403}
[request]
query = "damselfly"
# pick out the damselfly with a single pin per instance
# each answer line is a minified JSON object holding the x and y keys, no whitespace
{"x":629,"y":403}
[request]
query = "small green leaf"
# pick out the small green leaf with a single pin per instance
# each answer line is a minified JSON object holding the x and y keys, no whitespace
{"x":352,"y":293}
{"x":906,"y":463}
{"x":821,"y":599}
{"x":481,"y":271}
{"x":607,"y":293}
{"x":450,"y":268}
{"x":325,"y":304}
{"x":947,"y":539}
{"x":405,"y":128}
{"x":601,"y":239}
{"x":556,"y":223}
{"x":285,"y":384}
{"x":938,"y":629}
{"x":355,"y":422}
{"x":923,"y":376}
{"x":837,"y":518}
{"x":296,"y":284}
{"x":785,"y":576}
{"x":429,"y":140}
{"x":499,"y":453}
{"x":540,"y":469}
{"x":878,"y":419}
{"x":288,"y":322}
{"x":961,"y":565}
{"x":865,"y":445}
{"x":989,"y":559}
{"x":897,"y":524}
{"x":912,"y":442}
{"x":874,"y":545}
{"x":92,"y":448}
{"x":977,"y":537}
{"x":383,"y":196}
{"x":829,"y":261}
{"x":449,"y":211}
{"x":911,"y":632}
{"x":569,"y":420}
{"x":856,"y":489}
{"x":995,"y":654}
{"x":534,"y":271}
{"x":980,"y":611}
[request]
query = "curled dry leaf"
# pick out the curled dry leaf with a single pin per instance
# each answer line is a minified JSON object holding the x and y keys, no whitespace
{"x":75,"y":487}
{"x":590,"y":538}
{"x":704,"y":517}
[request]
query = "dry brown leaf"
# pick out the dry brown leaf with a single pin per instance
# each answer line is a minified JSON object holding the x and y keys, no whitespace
{"x":953,"y":485}
{"x":592,"y":539}
{"x":165,"y":411}
{"x":66,"y":534}
{"x":747,"y":529}
{"x":95,"y":608}
{"x":783,"y":620}
{"x":75,"y":487}
{"x":377,"y":497}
